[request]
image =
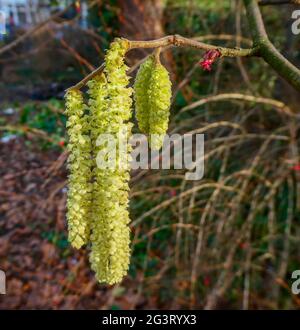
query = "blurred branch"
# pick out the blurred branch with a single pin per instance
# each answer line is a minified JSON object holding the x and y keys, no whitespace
{"x":32,"y":31}
{"x":279,"y":2}
{"x":238,"y":27}
{"x":243,"y":97}
{"x":39,"y":26}
{"x":266,"y":49}
{"x":73,"y":52}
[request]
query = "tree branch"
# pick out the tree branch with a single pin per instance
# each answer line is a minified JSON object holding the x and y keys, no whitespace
{"x":279,"y":2}
{"x":266,"y":49}
{"x":84,"y":81}
{"x":262,"y":47}
{"x":179,"y":41}
{"x":176,"y":41}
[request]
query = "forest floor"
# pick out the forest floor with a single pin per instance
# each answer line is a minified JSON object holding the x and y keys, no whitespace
{"x":42,"y":270}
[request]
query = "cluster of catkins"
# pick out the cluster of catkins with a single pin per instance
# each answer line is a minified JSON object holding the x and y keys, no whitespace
{"x":98,"y":197}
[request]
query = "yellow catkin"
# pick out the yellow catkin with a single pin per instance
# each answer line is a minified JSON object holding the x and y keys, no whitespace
{"x":79,"y":166}
{"x":152,"y":89}
{"x":110,"y":106}
{"x":141,"y":86}
{"x":98,"y":196}
{"x":159,"y":94}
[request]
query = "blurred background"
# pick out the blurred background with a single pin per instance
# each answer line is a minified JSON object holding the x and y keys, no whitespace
{"x":228,"y":241}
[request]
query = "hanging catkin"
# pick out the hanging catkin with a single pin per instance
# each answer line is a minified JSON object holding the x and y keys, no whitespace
{"x":98,"y":196}
{"x":141,"y":86}
{"x":110,"y":106}
{"x":159,"y":104}
{"x":152,"y":100}
{"x":79,"y":165}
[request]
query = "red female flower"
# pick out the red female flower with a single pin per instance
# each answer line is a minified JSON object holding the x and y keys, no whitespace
{"x":207,"y":281}
{"x":209,"y":58}
{"x":173,"y":192}
{"x":296,"y":167}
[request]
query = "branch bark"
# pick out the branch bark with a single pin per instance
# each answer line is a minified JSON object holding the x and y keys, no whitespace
{"x":176,"y":41}
{"x":279,"y":2}
{"x":266,"y":49}
{"x":179,"y":41}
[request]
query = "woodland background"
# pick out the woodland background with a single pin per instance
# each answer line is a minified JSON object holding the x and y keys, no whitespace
{"x":195,"y":245}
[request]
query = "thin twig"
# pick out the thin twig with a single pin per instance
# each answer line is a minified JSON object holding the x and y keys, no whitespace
{"x":176,"y":41}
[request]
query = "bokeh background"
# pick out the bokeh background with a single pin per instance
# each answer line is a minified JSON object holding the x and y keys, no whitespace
{"x":228,"y":241}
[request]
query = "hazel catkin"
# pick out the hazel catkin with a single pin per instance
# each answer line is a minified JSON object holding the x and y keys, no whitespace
{"x":110,"y":106}
{"x":141,"y":86}
{"x":79,"y":165}
{"x":152,"y":100}
{"x":159,"y":104}
{"x":98,"y":196}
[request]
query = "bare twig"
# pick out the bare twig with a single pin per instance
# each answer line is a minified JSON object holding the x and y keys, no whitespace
{"x":243,"y":97}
